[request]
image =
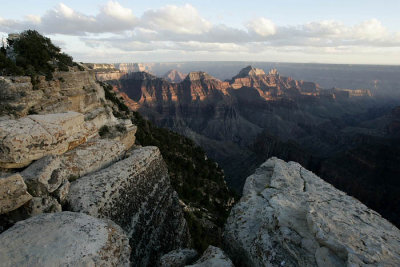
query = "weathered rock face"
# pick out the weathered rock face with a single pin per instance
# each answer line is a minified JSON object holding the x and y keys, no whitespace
{"x":13,"y":193}
{"x":213,"y":257}
{"x":73,"y":90}
{"x":36,"y":136}
{"x":136,"y":194}
{"x":174,"y":76}
{"x":290,"y":217}
{"x":178,"y":258}
{"x":64,"y":239}
{"x":85,"y":162}
{"x":132,"y":67}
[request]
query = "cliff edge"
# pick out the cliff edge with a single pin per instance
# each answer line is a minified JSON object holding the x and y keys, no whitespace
{"x":288,"y":216}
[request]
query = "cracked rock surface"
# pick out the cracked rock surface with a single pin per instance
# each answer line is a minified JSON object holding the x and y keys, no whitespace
{"x":288,"y":216}
{"x":35,"y":136}
{"x":213,"y":257}
{"x":64,"y":239}
{"x":136,"y":194}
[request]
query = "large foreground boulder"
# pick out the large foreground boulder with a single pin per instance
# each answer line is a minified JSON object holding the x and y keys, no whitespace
{"x":64,"y":239}
{"x":35,"y":136}
{"x":137,"y":195}
{"x":288,"y":216}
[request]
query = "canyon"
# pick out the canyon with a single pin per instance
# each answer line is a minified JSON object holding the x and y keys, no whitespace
{"x":87,"y":181}
{"x":243,"y":121}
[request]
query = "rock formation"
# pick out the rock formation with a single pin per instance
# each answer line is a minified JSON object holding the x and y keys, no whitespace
{"x":64,"y":239}
{"x":127,"y":192}
{"x":178,"y":258}
{"x":213,"y":257}
{"x":255,"y":115}
{"x":68,"y":145}
{"x":36,"y":136}
{"x":174,"y":76}
{"x":13,"y":193}
{"x":288,"y":216}
{"x":73,"y":91}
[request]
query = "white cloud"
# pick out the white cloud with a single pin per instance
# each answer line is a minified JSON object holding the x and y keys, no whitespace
{"x":370,"y":30}
{"x":177,"y":19}
{"x":261,"y":26}
{"x":181,"y":30}
{"x":64,"y":20}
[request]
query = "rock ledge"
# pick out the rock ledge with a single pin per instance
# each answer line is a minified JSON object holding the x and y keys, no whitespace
{"x":288,"y":216}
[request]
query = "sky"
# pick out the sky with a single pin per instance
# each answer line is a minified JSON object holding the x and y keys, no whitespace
{"x":308,"y":31}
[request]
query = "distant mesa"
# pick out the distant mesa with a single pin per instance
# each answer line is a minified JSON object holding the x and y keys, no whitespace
{"x":199,"y":75}
{"x":273,"y":71}
{"x":174,"y":76}
{"x":249,"y":71}
{"x":131,"y":67}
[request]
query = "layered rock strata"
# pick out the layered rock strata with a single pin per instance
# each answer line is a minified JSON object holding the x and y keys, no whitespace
{"x":36,"y":136}
{"x":63,"y":148}
{"x":136,"y":194}
{"x":74,"y":90}
{"x":288,"y":216}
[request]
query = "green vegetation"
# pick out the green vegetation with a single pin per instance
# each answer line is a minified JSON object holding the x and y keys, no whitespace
{"x":197,"y":180}
{"x":33,"y":55}
{"x":122,"y":111}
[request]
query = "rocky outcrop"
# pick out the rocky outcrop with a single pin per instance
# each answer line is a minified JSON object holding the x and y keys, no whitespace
{"x":72,"y":141}
{"x":132,"y":67}
{"x":64,"y":239}
{"x":174,"y":76}
{"x":288,"y":216}
{"x":251,"y":71}
{"x":13,"y":193}
{"x":213,"y":257}
{"x":136,"y":194}
{"x":178,"y":258}
{"x":105,"y":72}
{"x":36,"y":136}
{"x":73,"y":90}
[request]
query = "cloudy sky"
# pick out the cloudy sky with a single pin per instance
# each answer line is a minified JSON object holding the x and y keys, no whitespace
{"x":323,"y":31}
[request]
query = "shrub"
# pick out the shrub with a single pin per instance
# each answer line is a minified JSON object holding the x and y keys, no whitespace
{"x":34,"y":55}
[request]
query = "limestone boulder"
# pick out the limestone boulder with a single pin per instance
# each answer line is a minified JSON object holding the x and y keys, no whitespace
{"x":13,"y":193}
{"x":64,"y":239}
{"x":178,"y":258}
{"x":49,"y":173}
{"x":288,"y":216}
{"x":137,"y":195}
{"x":213,"y":257}
{"x":92,"y":156}
{"x":36,"y":136}
{"x":45,"y":175}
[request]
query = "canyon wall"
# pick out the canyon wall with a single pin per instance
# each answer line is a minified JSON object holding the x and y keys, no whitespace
{"x":67,"y":147}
